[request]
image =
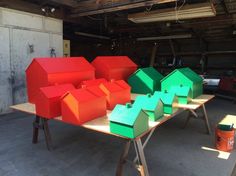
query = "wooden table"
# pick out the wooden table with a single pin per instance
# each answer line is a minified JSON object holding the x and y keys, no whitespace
{"x":102,"y":125}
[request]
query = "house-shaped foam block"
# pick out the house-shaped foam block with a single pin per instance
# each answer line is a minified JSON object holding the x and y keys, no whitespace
{"x":92,"y":82}
{"x":51,"y":71}
{"x":128,"y":121}
{"x":152,"y":105}
{"x":114,"y":67}
{"x":83,"y":105}
{"x":183,"y":77}
{"x":182,"y":92}
{"x":117,"y":92}
{"x":48,"y":103}
{"x":145,"y":80}
{"x":169,"y":100}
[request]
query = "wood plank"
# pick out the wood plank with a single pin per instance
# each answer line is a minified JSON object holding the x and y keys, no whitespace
{"x":112,"y":7}
{"x":70,"y":3}
{"x":229,"y":120}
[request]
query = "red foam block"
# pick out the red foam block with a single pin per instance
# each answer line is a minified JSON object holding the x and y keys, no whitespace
{"x":114,"y":67}
{"x":83,"y":105}
{"x":52,"y":71}
{"x":48,"y":100}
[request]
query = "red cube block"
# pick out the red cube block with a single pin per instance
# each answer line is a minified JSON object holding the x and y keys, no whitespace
{"x":48,"y":102}
{"x":51,"y":71}
{"x":93,"y":82}
{"x":114,"y":67}
{"x":82,"y":105}
{"x":117,"y":92}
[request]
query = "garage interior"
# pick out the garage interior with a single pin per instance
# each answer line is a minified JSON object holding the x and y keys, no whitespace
{"x":163,"y":34}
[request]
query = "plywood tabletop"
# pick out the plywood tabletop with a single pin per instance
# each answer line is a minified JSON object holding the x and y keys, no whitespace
{"x":102,"y":124}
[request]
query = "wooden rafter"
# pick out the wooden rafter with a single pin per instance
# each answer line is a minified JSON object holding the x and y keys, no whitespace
{"x":70,"y":3}
{"x":98,"y":8}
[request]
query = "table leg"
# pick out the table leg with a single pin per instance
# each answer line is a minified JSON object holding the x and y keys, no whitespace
{"x":145,"y":143}
{"x":206,"y":119}
{"x":122,"y":159}
{"x":187,"y":120}
{"x":47,"y":133}
{"x":141,"y":158}
{"x":36,"y":125}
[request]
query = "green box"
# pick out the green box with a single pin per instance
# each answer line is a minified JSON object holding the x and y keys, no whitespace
{"x":128,"y":121}
{"x":169,"y":100}
{"x":153,"y":106}
{"x":145,"y":80}
{"x":182,"y":92}
{"x":183,"y":77}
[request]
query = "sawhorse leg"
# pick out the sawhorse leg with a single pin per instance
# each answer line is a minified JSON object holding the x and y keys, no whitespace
{"x":205,"y":118}
{"x":140,"y":157}
{"x":41,"y":123}
{"x":123,"y":158}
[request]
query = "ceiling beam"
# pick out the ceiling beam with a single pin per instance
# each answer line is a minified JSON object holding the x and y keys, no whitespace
{"x":36,"y":9}
{"x":113,"y":7}
{"x":70,"y":3}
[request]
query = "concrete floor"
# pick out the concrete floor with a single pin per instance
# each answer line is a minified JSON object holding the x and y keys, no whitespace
{"x":172,"y":151}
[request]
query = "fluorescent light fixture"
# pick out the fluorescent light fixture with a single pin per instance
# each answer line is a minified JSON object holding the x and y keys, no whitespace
{"x":199,"y":10}
{"x":234,"y":32}
{"x":165,"y":37}
{"x":92,"y":35}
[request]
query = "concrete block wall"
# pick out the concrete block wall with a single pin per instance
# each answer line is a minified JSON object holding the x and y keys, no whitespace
{"x":18,"y":31}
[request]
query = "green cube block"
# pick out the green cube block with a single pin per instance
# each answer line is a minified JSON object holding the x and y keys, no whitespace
{"x":145,"y":80}
{"x":128,"y":121}
{"x":183,"y":77}
{"x":153,"y":106}
{"x":182,"y":92}
{"x":169,"y":100}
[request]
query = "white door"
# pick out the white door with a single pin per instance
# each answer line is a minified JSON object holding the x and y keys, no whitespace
{"x":22,"y":56}
{"x":5,"y":73}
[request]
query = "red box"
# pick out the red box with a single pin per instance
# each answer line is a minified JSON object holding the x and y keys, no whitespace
{"x":51,"y":71}
{"x":114,"y":67}
{"x":93,"y":82}
{"x":48,"y":100}
{"x":117,"y":92}
{"x":82,"y":105}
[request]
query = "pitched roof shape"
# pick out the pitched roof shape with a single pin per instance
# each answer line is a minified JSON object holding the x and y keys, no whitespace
{"x":128,"y":116}
{"x":167,"y":98}
{"x":190,"y":74}
{"x":147,"y":102}
{"x":61,"y":65}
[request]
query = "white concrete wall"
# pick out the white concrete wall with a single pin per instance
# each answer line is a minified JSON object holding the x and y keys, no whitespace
{"x":18,"y":30}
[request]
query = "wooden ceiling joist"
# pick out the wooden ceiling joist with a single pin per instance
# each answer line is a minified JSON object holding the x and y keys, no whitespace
{"x":94,"y":9}
{"x":70,"y":3}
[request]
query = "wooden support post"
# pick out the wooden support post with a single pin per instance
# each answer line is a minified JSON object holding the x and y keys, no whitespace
{"x":153,"y":56}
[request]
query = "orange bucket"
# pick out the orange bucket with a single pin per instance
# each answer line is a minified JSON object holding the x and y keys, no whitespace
{"x":224,"y":140}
